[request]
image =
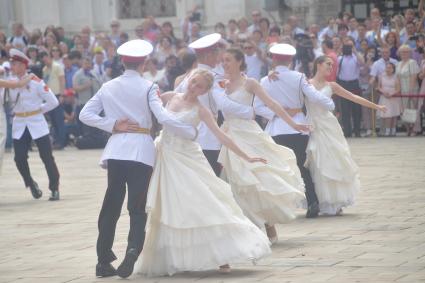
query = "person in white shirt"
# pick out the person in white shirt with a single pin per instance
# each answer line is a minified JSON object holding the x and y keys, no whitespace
{"x":378,"y":67}
{"x":127,"y":102}
{"x":29,"y":124}
{"x":256,"y":16}
{"x":3,"y":131}
{"x":255,"y":60}
{"x":207,"y":52}
{"x":290,"y":89}
{"x":99,"y":70}
{"x":352,"y":26}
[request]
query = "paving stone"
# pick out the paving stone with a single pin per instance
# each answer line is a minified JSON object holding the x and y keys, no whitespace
{"x":381,"y":239}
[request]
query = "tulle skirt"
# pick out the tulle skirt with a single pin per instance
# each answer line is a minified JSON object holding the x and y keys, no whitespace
{"x":194,"y":222}
{"x":333,"y":170}
{"x":267,"y":193}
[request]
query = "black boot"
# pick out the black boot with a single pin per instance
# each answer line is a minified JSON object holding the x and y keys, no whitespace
{"x":126,"y":267}
{"x":105,"y":270}
{"x":313,"y":210}
{"x":35,"y":190}
{"x":54,"y":196}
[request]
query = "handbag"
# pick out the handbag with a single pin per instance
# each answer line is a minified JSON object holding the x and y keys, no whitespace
{"x":409,"y":115}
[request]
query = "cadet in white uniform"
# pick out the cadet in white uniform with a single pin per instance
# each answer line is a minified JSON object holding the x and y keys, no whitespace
{"x":30,"y":103}
{"x":127,"y":102}
{"x":3,"y":123}
{"x":290,"y":90}
{"x":207,"y":53}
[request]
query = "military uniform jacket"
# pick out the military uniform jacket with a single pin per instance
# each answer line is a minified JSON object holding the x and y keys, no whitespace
{"x":36,"y":96}
{"x":132,"y":97}
{"x":289,"y":90}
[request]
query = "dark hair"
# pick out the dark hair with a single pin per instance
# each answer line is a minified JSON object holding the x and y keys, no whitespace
{"x":328,"y":43}
{"x":275,"y":29}
{"x":171,"y":26}
{"x":319,"y":60}
{"x":75,"y":54}
{"x":265,"y":20}
{"x":239,"y":56}
{"x":220,"y":25}
{"x":342,"y":26}
{"x":170,"y":41}
{"x":43,"y":54}
{"x":233,"y":21}
{"x":392,"y":65}
{"x":187,"y":60}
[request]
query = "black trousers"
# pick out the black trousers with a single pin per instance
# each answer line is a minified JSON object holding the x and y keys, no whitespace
{"x":57,"y":117}
{"x":136,"y":176}
{"x":298,"y":143}
{"x":212,"y":156}
{"x":351,"y":112}
{"x":22,"y":147}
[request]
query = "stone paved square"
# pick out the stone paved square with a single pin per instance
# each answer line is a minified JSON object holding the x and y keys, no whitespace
{"x":381,"y":239}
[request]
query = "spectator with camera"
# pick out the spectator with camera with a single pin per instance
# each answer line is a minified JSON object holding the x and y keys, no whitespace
{"x":349,"y":64}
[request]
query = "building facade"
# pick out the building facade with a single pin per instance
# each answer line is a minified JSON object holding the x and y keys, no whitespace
{"x":74,"y":14}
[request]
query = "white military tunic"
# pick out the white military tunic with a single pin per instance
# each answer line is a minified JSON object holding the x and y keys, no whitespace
{"x":127,"y":97}
{"x":289,"y":90}
{"x":33,"y":97}
{"x":216,"y":100}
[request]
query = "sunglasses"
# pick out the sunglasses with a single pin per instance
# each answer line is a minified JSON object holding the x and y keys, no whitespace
{"x":248,"y":47}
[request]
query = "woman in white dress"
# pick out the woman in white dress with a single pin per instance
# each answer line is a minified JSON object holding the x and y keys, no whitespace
{"x":267,"y":193}
{"x":194,"y":223}
{"x":7,"y":84}
{"x":333,"y":170}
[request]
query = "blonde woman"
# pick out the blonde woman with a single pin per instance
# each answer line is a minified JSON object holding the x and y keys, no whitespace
{"x":194,"y":222}
{"x":407,"y":71}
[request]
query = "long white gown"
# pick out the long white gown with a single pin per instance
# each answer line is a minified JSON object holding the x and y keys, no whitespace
{"x":334,"y":172}
{"x":267,"y":193}
{"x":194,"y":222}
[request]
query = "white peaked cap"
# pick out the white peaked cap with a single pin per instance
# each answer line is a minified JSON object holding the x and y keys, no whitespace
{"x":17,"y":55}
{"x":283,"y":49}
{"x":206,"y":43}
{"x":135,"y":50}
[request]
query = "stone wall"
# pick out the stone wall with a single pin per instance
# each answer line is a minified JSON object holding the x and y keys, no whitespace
{"x":73,"y":14}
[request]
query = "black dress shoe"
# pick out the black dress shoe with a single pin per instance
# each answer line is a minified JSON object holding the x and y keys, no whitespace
{"x":105,"y":270}
{"x":126,"y":267}
{"x":35,"y":190}
{"x":54,"y":196}
{"x":313,"y":210}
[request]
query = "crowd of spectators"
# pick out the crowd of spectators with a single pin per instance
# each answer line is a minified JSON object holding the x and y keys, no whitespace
{"x":385,"y":57}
